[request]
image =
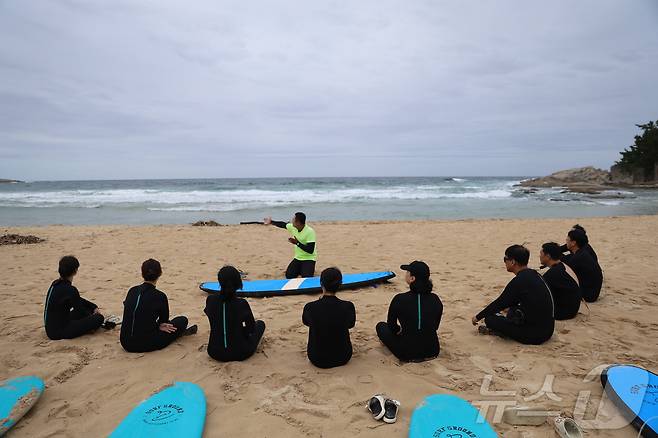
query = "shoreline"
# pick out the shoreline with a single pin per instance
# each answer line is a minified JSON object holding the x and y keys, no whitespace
{"x":278,"y":393}
{"x":9,"y":228}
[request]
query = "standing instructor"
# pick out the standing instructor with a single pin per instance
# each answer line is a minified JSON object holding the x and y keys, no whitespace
{"x":303,"y":237}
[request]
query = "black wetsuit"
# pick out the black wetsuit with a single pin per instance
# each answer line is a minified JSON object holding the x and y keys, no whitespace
{"x":329,"y":320}
{"x":144,"y":309}
{"x":588,"y":271}
{"x":415,"y":338}
{"x":66,"y":314}
{"x":588,"y":249}
{"x":299,"y":268}
{"x":234,"y":335}
{"x":565,"y":290}
{"x":530,"y":318}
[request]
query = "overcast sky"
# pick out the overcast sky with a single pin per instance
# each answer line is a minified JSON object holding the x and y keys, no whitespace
{"x":161,"y":89}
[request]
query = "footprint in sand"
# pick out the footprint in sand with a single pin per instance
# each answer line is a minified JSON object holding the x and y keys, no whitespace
{"x":365,"y":379}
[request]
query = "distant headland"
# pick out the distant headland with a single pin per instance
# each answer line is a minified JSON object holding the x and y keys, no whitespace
{"x":637,"y":168}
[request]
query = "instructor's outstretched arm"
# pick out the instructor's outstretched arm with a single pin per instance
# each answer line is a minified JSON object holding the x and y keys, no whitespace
{"x":269,"y":221}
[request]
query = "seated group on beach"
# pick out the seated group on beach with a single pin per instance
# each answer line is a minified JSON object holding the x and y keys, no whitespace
{"x":525,"y":311}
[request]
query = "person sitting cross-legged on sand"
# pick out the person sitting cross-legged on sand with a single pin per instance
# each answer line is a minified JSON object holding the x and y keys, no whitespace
{"x":586,"y":267}
{"x":234,"y":334}
{"x":561,"y":280}
{"x":329,"y":320}
{"x":586,"y":245}
{"x":529,"y":318}
{"x":146,"y":325}
{"x":419,"y":313}
{"x":66,"y":314}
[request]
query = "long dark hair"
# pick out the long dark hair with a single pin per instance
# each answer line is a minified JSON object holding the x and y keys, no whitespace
{"x":230,"y":281}
{"x":421,"y":286}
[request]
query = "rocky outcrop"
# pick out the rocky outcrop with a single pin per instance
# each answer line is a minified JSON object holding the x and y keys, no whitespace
{"x":592,"y":181}
{"x":6,"y":181}
{"x":639,"y":177}
{"x":582,"y":179}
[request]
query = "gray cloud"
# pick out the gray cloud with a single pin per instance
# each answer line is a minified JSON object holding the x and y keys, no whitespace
{"x":91,"y":89}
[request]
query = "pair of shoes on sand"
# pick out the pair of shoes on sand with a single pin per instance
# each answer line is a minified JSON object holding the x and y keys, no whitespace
{"x":111,"y":322}
{"x":383,"y":408}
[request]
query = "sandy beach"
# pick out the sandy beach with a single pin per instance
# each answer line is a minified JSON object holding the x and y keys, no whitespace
{"x":92,"y":383}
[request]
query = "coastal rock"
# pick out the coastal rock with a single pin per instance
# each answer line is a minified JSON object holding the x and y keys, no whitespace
{"x":8,"y":181}
{"x":586,"y":180}
{"x":581,"y":176}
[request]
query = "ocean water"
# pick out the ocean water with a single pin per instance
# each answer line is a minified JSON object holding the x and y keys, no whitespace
{"x":230,"y":201}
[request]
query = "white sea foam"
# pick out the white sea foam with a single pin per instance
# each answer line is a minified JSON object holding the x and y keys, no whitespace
{"x":224,"y":200}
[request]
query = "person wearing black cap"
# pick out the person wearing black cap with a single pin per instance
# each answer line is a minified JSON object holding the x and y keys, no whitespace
{"x":561,"y":280}
{"x":66,"y":314}
{"x":418,"y":313}
{"x":588,"y":270}
{"x":529,"y":319}
{"x":234,"y":334}
{"x":329,"y":320}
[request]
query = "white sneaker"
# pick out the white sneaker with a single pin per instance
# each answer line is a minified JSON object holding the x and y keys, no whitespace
{"x":567,"y":428}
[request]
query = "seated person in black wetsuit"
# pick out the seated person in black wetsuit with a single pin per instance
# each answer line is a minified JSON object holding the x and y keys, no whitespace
{"x":587,"y":247}
{"x":66,"y":314}
{"x":234,"y":335}
{"x":529,"y":318}
{"x":590,"y":275}
{"x":329,"y":320}
{"x":419,"y":314}
{"x":146,"y":325}
{"x":561,"y":281}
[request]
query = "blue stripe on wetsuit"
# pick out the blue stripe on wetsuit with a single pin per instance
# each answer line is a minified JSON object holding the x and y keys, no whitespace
{"x":45,"y":312}
{"x":224,"y":323}
{"x":418,"y":311}
{"x":132,"y":329}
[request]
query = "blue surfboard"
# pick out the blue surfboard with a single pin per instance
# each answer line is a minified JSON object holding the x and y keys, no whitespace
{"x":17,"y":396}
{"x":176,"y":411}
{"x":448,"y":416}
{"x":635,"y":391}
{"x":265,"y":288}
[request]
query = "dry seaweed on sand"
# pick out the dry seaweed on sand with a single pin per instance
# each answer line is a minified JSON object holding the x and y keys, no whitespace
{"x":17,"y":239}
{"x":206,"y":224}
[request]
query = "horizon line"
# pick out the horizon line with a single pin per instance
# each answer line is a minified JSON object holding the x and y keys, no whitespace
{"x":265,"y":177}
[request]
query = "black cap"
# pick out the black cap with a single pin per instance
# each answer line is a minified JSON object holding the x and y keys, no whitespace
{"x":418,"y":269}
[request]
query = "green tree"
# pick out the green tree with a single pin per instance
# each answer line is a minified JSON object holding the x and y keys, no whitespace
{"x":644,"y":153}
